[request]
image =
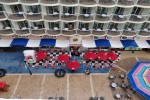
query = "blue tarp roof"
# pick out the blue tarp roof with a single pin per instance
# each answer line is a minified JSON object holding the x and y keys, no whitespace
{"x":19,"y":42}
{"x":48,"y":42}
{"x":102,"y":43}
{"x":129,"y":43}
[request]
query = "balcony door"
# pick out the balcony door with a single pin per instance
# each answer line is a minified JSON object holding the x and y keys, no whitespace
{"x":84,"y":25}
{"x":16,"y":8}
{"x":38,"y":24}
{"x":22,"y":24}
{"x":98,"y":25}
{"x":137,"y":11}
{"x":6,"y":23}
{"x":145,"y":26}
{"x":102,"y":10}
{"x":69,"y":25}
{"x":1,"y":7}
{"x":113,"y":25}
{"x":119,"y":11}
{"x":34,"y":9}
{"x":85,"y":10}
{"x":52,"y":9}
{"x":53,"y":24}
{"x":70,"y":10}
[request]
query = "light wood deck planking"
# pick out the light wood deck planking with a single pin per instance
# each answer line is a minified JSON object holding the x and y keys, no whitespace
{"x":101,"y":86}
{"x":29,"y":86}
{"x":79,"y":88}
{"x":11,"y":81}
{"x":54,"y":86}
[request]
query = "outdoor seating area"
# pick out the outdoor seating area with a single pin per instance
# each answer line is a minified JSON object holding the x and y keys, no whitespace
{"x":119,"y":85}
{"x":84,"y":61}
{"x":114,"y":84}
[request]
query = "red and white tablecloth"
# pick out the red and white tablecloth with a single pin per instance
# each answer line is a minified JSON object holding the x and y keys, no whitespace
{"x":40,"y":55}
{"x":90,"y":55}
{"x":102,"y":55}
{"x":63,"y":58}
{"x":73,"y":65}
{"x":112,"y":56}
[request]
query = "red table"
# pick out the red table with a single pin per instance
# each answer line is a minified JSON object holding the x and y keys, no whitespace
{"x":112,"y":56}
{"x":90,"y":55}
{"x":102,"y":55}
{"x":40,"y":55}
{"x":73,"y":65}
{"x":63,"y":58}
{"x":3,"y":85}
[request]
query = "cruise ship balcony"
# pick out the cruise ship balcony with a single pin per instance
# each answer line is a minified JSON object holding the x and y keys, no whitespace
{"x":107,"y":2}
{"x":34,"y":16}
{"x":6,"y":32}
{"x":137,"y":18}
{"x":38,"y":32}
{"x":67,"y":2}
{"x":2,"y":15}
{"x":68,"y":32}
{"x":87,"y":2}
{"x":119,"y":18}
{"x":29,"y":1}
{"x":51,"y":17}
{"x":85,"y":17}
{"x":84,"y":32}
{"x":128,"y":33}
{"x":102,"y":17}
{"x":98,"y":32}
{"x":126,"y":2}
{"x":144,"y":32}
{"x":113,"y":32}
{"x":49,"y":1}
{"x":9,"y":1}
{"x":144,"y":2}
{"x":23,"y":32}
{"x":53,"y":32}
{"x":16,"y":16}
{"x":69,"y":17}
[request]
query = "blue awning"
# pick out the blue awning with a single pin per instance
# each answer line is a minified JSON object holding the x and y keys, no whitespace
{"x":102,"y":43}
{"x":19,"y":42}
{"x":148,"y":41}
{"x":129,"y":43}
{"x":48,"y":42}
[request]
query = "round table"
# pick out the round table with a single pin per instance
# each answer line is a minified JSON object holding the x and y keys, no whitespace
{"x":40,"y":55}
{"x":112,"y":56}
{"x":123,"y":85}
{"x":102,"y":55}
{"x":122,"y":76}
{"x":73,"y":65}
{"x":63,"y":58}
{"x":129,"y":95}
{"x":111,"y":76}
{"x":90,"y":55}
{"x":113,"y":84}
{"x":118,"y":96}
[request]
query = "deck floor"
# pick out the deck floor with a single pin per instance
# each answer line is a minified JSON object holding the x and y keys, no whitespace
{"x":72,"y":86}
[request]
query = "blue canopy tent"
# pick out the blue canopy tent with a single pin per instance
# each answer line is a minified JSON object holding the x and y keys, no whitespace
{"x":136,"y":80}
{"x":48,"y":42}
{"x":19,"y":42}
{"x":102,"y":43}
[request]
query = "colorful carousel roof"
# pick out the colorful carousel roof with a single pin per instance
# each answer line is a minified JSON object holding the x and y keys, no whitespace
{"x":139,"y":78}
